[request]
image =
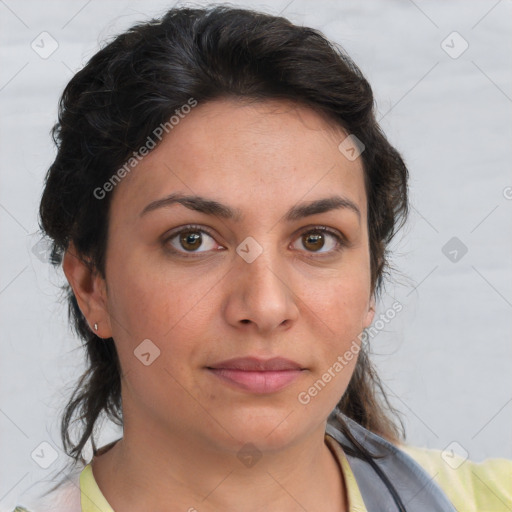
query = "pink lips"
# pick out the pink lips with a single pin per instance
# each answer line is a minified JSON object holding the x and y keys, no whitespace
{"x":257,"y":375}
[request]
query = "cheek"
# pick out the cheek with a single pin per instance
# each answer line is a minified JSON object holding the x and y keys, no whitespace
{"x":151,"y":306}
{"x":336,"y":351}
{"x":147,"y":301}
{"x":340,"y":306}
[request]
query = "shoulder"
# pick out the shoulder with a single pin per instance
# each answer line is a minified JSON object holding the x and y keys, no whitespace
{"x":471,"y":486}
{"x":65,"y":498}
{"x":76,"y":486}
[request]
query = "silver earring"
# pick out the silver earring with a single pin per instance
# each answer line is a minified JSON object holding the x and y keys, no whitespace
{"x":95,"y":327}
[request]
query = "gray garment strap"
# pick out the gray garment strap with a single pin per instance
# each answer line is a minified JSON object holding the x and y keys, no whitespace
{"x":416,"y":489}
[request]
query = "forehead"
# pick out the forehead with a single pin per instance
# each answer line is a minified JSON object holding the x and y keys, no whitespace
{"x":268,"y":154}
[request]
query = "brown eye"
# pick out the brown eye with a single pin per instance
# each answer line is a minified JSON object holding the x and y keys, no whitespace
{"x":191,"y":240}
{"x":321,"y":240}
{"x":313,"y":242}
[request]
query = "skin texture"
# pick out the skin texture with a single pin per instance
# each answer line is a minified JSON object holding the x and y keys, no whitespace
{"x":307,"y":302}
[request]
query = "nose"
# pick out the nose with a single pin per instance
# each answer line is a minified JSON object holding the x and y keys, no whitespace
{"x":260,"y":295}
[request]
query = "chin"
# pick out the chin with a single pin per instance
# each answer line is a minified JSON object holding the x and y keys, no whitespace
{"x":269,"y":430}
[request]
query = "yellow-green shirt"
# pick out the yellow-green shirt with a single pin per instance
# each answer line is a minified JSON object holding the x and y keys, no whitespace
{"x":471,"y":487}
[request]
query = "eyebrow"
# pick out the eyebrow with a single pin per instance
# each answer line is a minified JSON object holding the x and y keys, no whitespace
{"x":211,"y":207}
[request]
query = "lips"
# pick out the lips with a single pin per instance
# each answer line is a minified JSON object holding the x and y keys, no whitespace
{"x":257,"y":375}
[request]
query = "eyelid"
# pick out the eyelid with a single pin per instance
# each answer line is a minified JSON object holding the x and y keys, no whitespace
{"x":323,"y":229}
{"x":187,"y":227}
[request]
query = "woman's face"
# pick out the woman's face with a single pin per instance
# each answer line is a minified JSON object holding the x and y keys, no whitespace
{"x":250,"y":279}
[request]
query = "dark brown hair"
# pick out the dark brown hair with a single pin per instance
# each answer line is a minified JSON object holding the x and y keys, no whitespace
{"x":134,"y":84}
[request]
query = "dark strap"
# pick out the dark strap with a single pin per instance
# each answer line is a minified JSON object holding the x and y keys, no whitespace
{"x":387,"y":481}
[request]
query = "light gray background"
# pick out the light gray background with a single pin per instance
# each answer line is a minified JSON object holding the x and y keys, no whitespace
{"x":446,"y":359}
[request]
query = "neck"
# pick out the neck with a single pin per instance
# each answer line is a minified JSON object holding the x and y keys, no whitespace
{"x":149,"y":469}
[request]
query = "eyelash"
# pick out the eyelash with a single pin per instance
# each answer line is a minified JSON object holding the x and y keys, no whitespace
{"x":340,"y":239}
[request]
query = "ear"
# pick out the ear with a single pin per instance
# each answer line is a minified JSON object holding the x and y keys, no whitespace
{"x":90,"y":291}
{"x":370,"y":313}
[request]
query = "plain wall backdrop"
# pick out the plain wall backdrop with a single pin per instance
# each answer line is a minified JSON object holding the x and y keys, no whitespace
{"x":441,"y":74}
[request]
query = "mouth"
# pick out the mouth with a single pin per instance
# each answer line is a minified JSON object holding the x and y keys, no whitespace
{"x":257,"y":375}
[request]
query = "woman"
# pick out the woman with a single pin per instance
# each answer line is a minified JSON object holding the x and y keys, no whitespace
{"x":221,"y":203}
